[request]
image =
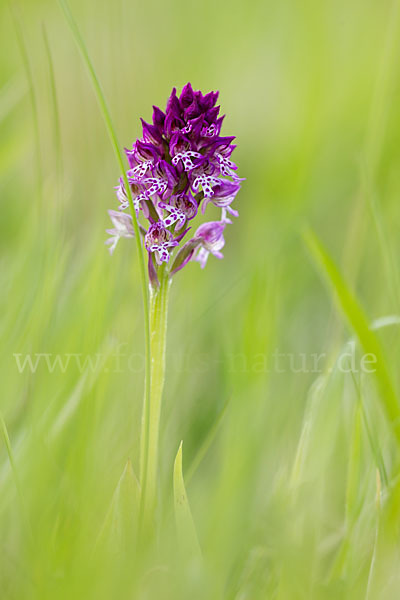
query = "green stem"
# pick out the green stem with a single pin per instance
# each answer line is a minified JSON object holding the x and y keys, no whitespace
{"x":152,"y":410}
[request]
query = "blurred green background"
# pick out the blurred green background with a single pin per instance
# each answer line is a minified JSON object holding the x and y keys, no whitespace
{"x":281,"y":458}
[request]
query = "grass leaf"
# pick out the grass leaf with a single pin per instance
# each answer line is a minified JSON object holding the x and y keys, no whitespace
{"x":353,"y":313}
{"x":186,"y":530}
{"x":121,"y":524}
{"x":29,"y":76}
{"x":56,"y":114}
{"x":115,"y":144}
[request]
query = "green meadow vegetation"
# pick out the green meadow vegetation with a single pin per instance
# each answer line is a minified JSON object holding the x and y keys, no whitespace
{"x":279,"y":470}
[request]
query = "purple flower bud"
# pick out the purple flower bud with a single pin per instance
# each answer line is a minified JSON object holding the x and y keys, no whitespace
{"x":186,"y":97}
{"x":158,"y":119}
{"x":212,"y":115}
{"x":151,"y":133}
{"x":193,"y":110}
{"x":209,"y":100}
{"x":173,"y":106}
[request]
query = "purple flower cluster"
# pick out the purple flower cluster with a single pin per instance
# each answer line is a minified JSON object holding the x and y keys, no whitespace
{"x":179,"y":166}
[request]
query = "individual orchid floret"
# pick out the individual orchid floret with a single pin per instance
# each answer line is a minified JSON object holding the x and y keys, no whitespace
{"x":226,"y":166}
{"x":184,"y":208}
{"x":122,"y":228}
{"x":138,"y":172}
{"x":223,"y":194}
{"x":123,"y":197}
{"x":142,"y":152}
{"x":211,"y":238}
{"x":186,"y":204}
{"x":167,"y":176}
{"x":158,"y":240}
{"x":175,"y":216}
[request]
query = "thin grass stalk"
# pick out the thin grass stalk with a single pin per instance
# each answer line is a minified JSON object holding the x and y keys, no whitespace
{"x":14,"y":471}
{"x":28,"y":71}
{"x":56,"y":114}
{"x":114,"y":141}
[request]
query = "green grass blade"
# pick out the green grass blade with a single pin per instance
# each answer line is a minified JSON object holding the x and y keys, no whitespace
{"x":388,"y":256}
{"x":112,"y":134}
{"x":375,"y":548}
{"x":354,"y":470}
{"x":302,"y":450}
{"x":56,"y":115}
{"x":113,"y":137}
{"x":11,"y":94}
{"x":32,"y":95}
{"x":10,"y":454}
{"x":383,"y":95}
{"x":372,"y":439}
{"x":121,"y":523}
{"x":205,"y":446}
{"x":358,"y":322}
{"x":186,"y":530}
{"x":7,"y":443}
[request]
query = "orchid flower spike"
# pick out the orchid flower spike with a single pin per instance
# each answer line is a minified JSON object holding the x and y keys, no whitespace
{"x":180,"y":164}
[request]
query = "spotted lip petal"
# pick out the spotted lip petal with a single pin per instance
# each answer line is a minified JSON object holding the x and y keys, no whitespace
{"x":184,"y":208}
{"x":175,"y":216}
{"x":180,"y":163}
{"x":206,"y":182}
{"x":186,"y":159}
{"x":138,"y":172}
{"x":158,"y":240}
{"x":185,"y":203}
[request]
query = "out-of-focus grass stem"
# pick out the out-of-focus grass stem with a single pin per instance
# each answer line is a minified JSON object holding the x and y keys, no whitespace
{"x":203,"y":449}
{"x":56,"y":116}
{"x":32,"y":95}
{"x":10,"y":454}
{"x":113,"y":136}
{"x":357,"y":320}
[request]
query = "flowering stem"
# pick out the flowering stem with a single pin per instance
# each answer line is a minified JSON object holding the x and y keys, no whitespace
{"x":152,"y":409}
